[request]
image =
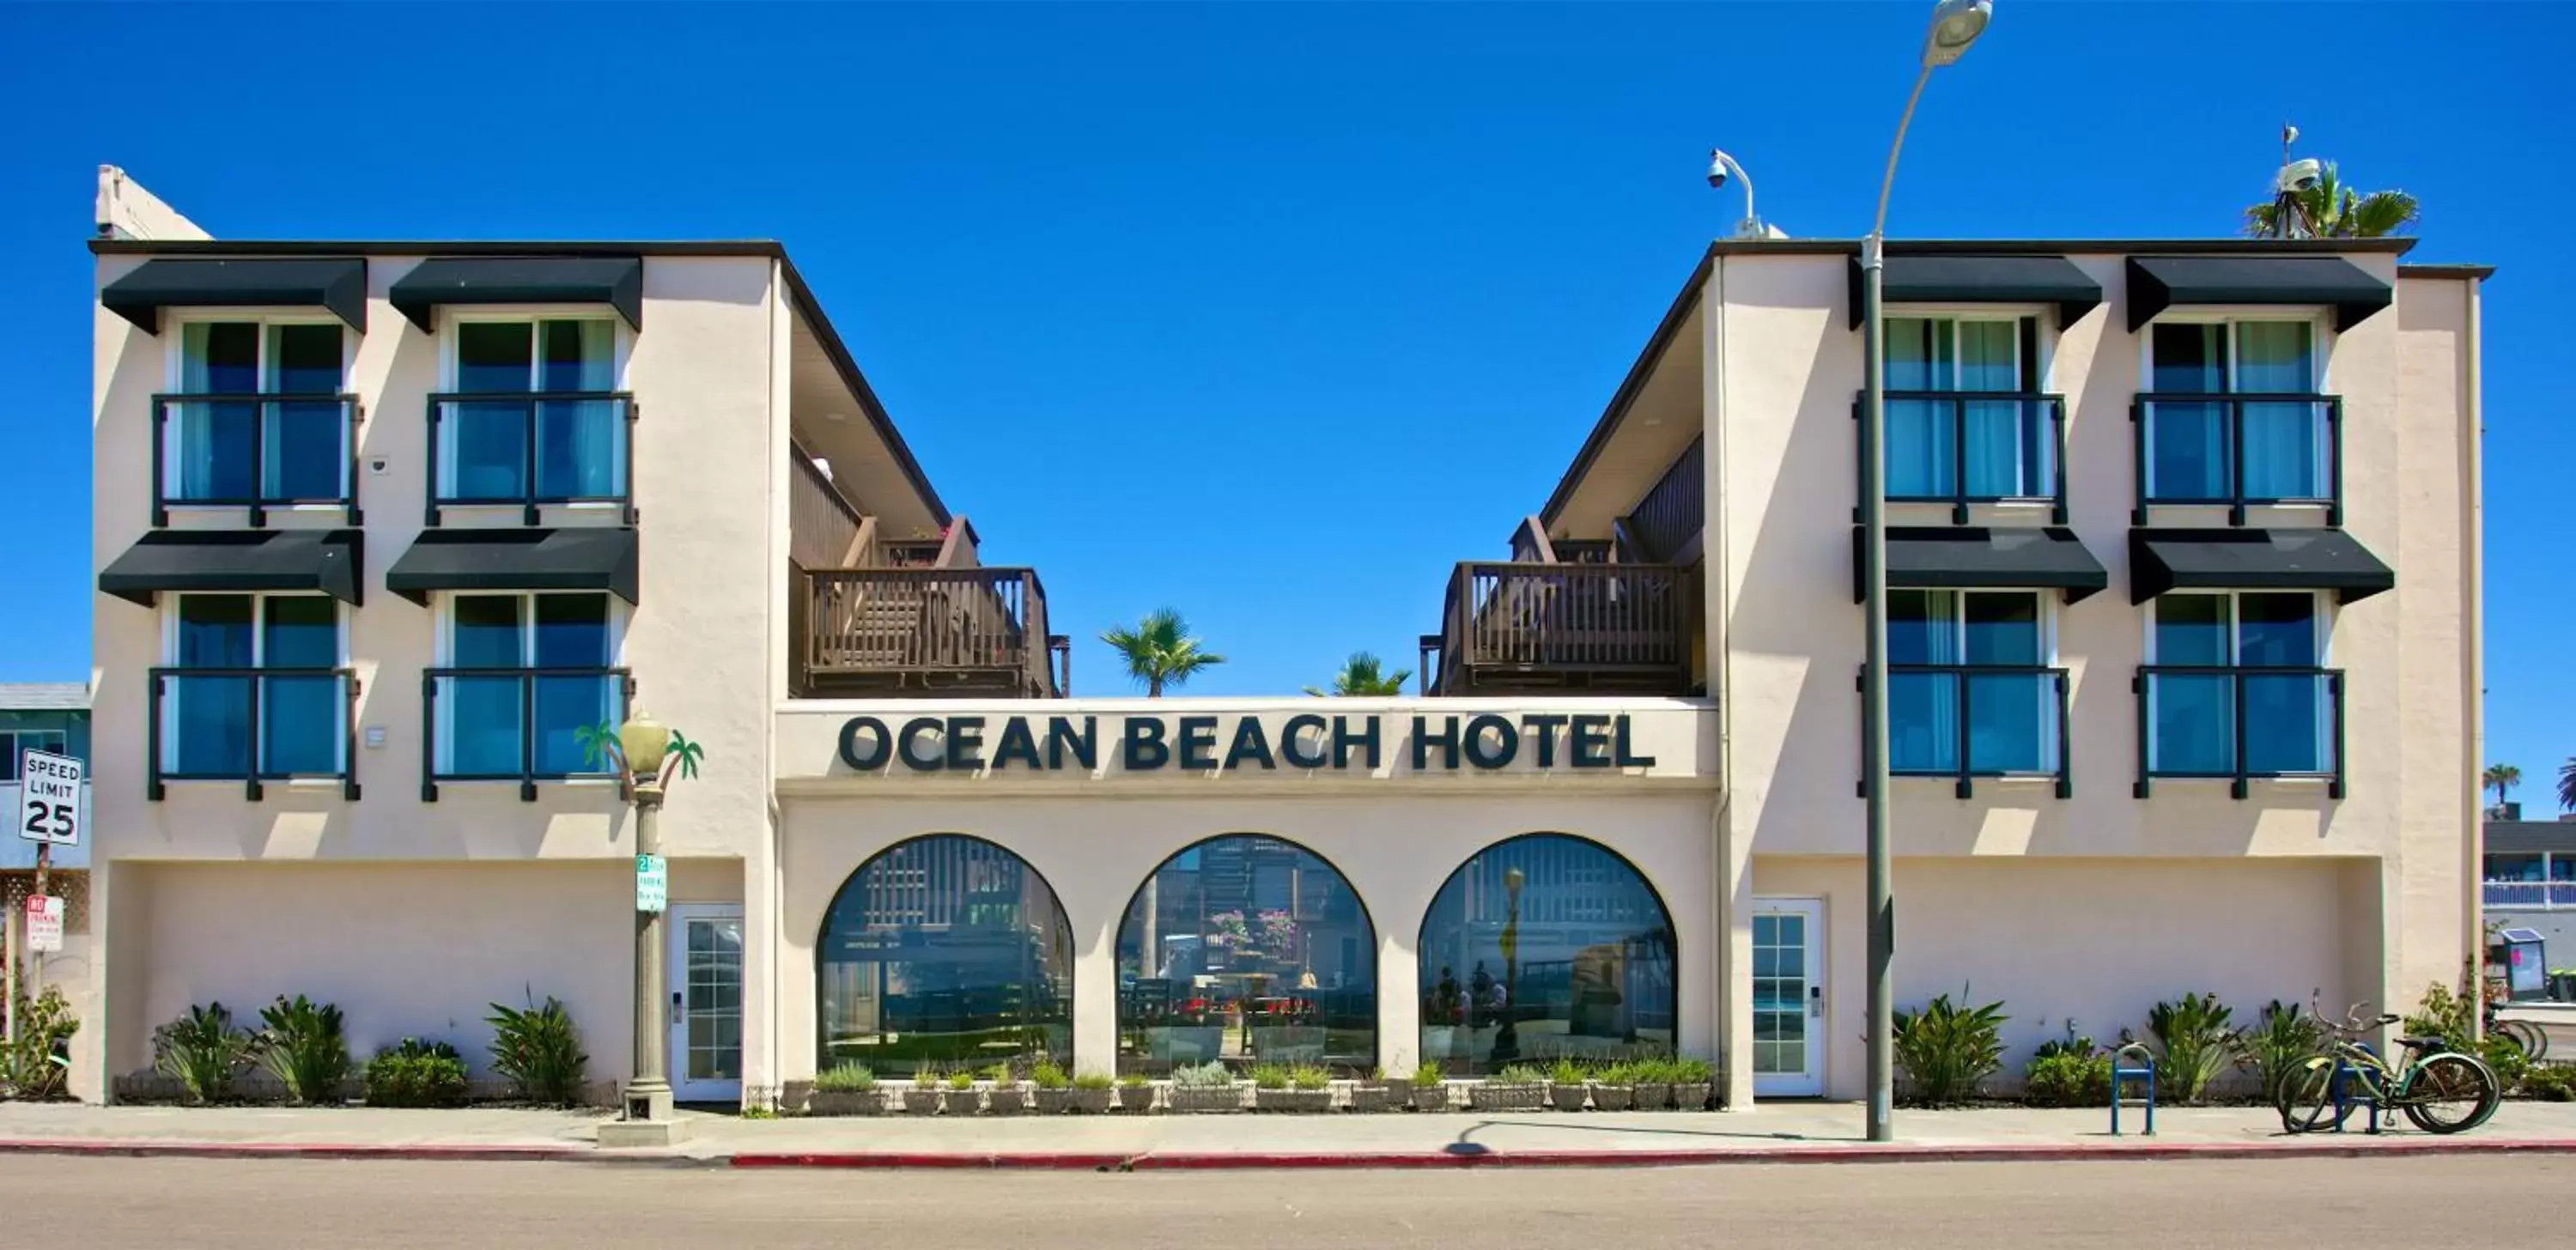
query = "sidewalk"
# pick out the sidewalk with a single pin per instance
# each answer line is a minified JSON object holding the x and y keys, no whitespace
{"x":1773,"y":1133}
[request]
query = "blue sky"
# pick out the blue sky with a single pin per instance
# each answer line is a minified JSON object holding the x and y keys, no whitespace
{"x":1310,"y":302}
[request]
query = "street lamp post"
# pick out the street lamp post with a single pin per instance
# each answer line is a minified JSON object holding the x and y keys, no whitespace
{"x":642,"y":745}
{"x":1955,"y":25}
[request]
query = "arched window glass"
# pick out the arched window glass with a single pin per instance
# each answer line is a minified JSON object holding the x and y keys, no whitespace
{"x":1543,"y":946}
{"x":1249,"y":950}
{"x":945,"y":950}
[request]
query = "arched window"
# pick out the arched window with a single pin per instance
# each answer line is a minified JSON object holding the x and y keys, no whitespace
{"x":1541,"y":946}
{"x":1249,"y":950}
{"x":944,"y":950}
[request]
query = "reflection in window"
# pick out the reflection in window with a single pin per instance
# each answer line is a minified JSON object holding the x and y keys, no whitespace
{"x":945,"y":950}
{"x":1542,"y":946}
{"x":1248,"y":950}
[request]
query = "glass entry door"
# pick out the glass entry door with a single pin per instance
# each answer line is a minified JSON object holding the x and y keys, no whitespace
{"x":706,"y":1002}
{"x":1788,"y":997}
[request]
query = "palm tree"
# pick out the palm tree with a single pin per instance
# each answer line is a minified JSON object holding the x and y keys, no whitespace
{"x":2331,"y":210}
{"x":1160,"y":651}
{"x":2567,"y":785}
{"x":600,"y":747}
{"x":2501,"y":779}
{"x":1360,"y":677}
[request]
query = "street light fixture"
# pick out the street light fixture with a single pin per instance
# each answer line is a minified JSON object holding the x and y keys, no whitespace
{"x":642,"y":745}
{"x":1955,"y":25}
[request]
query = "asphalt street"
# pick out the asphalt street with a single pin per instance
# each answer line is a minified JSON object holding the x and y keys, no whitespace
{"x":2350,"y":1204}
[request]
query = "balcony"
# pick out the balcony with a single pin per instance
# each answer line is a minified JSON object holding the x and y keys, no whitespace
{"x":925,"y":631}
{"x":2239,"y":451}
{"x":1667,"y":521}
{"x":2240,"y":724}
{"x":252,"y":725}
{"x":1962,"y":448}
{"x":532,"y":450}
{"x":2531,"y":895}
{"x":254,"y":452}
{"x":519,"y":725}
{"x":1967,"y":721}
{"x":1523,"y":626}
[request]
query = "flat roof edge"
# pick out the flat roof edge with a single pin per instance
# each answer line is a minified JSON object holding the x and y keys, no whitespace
{"x":437,"y":247}
{"x":2472,"y":273}
{"x":2066,"y":247}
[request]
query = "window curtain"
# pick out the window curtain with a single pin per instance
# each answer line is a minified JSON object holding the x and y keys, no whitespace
{"x":209,"y":731}
{"x":2284,"y":442}
{"x":300,"y":729}
{"x":487,"y":451}
{"x":580,"y":442}
{"x":1922,"y":708}
{"x":212,"y":458}
{"x":2287,"y":715}
{"x":1999,"y":462}
{"x":571,"y":632}
{"x":486,"y":716}
{"x":2194,"y":714}
{"x":307,"y":449}
{"x":2187,"y":443}
{"x":2012,"y":717}
{"x":1921,"y":352}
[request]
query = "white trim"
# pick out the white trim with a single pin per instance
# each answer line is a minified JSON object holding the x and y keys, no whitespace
{"x":621,"y":343}
{"x":443,"y":653}
{"x":2321,"y":623}
{"x":168,"y":612}
{"x":2047,"y":604}
{"x":174,"y":376}
{"x":2321,"y":336}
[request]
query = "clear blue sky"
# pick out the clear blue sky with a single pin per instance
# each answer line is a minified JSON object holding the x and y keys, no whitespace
{"x":1310,"y":302}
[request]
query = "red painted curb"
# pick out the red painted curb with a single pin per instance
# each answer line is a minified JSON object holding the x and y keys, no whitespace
{"x":297,"y":1150}
{"x":1252,"y":1160}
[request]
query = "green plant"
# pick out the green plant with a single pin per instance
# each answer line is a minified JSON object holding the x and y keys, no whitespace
{"x":1133,"y":1080}
{"x":2446,"y":1015}
{"x":1363,"y":675}
{"x":36,"y":1064}
{"x":961,"y":1080}
{"x":415,"y":1073}
{"x":759,"y":1111}
{"x":2195,"y":1045}
{"x":1427,"y":1074}
{"x":1946,"y":1051}
{"x":1270,"y":1076}
{"x":2330,"y":210}
{"x":1616,"y":1074}
{"x":1377,"y":1074}
{"x":204,"y":1052}
{"x":2068,"y":1079}
{"x":1565,"y":1071}
{"x":538,"y":1051}
{"x":1159,"y":651}
{"x":1210,"y":1075}
{"x":846,"y":1078}
{"x":2072,"y":1044}
{"x":1048,"y":1074}
{"x":1309,"y":1077}
{"x":1097,"y":1080}
{"x":2554,"y":1082}
{"x":997,"y":1073}
{"x":1520,"y":1074}
{"x":1687,"y":1071}
{"x":305,"y":1048}
{"x":2283,"y":1036}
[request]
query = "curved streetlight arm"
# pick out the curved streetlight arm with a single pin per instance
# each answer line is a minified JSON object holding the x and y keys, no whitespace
{"x":1886,"y":185}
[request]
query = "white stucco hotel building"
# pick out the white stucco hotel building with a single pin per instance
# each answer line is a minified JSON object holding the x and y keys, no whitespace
{"x":2186,"y":622}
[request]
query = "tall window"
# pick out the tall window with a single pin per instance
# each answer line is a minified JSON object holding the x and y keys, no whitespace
{"x":1248,"y":950}
{"x":1983,"y":448}
{"x":2269,"y":645}
{"x":254,"y":691}
{"x":565,"y":440}
{"x":1970,"y":663}
{"x":948,"y":951}
{"x":1545,"y":945}
{"x":2192,"y":444}
{"x":527,"y":672}
{"x":239,"y":447}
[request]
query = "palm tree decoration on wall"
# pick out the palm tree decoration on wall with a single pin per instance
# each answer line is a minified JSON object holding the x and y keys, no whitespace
{"x":1160,"y":651}
{"x":2500,"y":779}
{"x":600,"y":748}
{"x":2315,"y":204}
{"x":1363,"y":675}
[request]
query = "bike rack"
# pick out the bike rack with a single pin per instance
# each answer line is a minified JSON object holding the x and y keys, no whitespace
{"x":2346,"y":1077}
{"x":2143,"y":1069}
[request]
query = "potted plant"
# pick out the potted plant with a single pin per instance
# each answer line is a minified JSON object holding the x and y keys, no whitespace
{"x":1053,"y":1087}
{"x":922,"y":1096}
{"x":1005,"y":1096}
{"x":846,"y":1088}
{"x":959,"y":1096}
{"x":1378,"y":1093}
{"x":1429,"y":1094}
{"x":1694,"y":1080}
{"x":1313,"y":1087}
{"x":1518,"y":1087}
{"x":1094,"y":1091}
{"x":1651,"y":1081}
{"x":1614,"y":1087}
{"x":1270,"y":1090}
{"x":1207,"y":1087}
{"x":1135,"y":1092}
{"x":1565,"y":1085}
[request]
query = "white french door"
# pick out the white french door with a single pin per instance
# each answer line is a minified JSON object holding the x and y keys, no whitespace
{"x":706,"y":1002}
{"x":1788,"y":997}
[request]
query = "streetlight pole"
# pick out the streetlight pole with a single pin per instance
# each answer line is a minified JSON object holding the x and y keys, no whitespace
{"x":646,"y":1120}
{"x":1955,"y":25}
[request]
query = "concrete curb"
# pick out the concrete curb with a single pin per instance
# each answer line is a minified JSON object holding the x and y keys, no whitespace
{"x":113,"y":1148}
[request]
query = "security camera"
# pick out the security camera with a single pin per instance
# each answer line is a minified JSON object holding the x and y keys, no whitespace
{"x":2300,"y":175}
{"x":1716,"y":170}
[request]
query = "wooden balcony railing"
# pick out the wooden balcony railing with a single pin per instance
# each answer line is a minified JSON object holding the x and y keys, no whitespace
{"x":925,"y":630}
{"x":824,"y":530}
{"x":1523,"y":626}
{"x":1673,"y":510}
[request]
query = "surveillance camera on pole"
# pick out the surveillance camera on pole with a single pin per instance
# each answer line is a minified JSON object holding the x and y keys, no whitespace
{"x":1720,"y":166}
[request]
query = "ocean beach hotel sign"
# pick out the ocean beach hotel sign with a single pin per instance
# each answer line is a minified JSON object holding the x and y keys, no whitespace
{"x":1366,"y":742}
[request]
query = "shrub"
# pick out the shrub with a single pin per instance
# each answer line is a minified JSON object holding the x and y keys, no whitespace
{"x":2195,"y":1045}
{"x":1307,"y":1076}
{"x":37,"y":1063}
{"x":538,"y":1051}
{"x":961,"y":1080}
{"x":2066,"y":1079}
{"x":1616,"y":1074}
{"x":1947,"y":1051}
{"x":1210,"y":1075}
{"x":2282,"y":1036}
{"x":1693,"y":1072}
{"x":2073,"y":1043}
{"x":2551,"y":1083}
{"x":1270,"y":1076}
{"x":2453,"y":1018}
{"x":997,"y":1073}
{"x":204,"y":1052}
{"x":415,"y":1073}
{"x":846,"y":1077}
{"x":305,"y":1048}
{"x":1428,"y":1073}
{"x":1097,"y":1080}
{"x":1520,"y":1074}
{"x":1048,"y":1074}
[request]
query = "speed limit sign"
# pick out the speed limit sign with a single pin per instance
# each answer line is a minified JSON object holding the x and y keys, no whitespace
{"x":49,"y":808}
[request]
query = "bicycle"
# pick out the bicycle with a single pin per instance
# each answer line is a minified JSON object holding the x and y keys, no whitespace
{"x":2529,"y":1038}
{"x":2442,"y":1091}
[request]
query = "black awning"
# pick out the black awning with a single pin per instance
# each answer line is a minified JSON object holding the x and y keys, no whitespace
{"x":2160,"y":282}
{"x":2253,"y":559}
{"x":595,"y":558}
{"x":1962,"y":557}
{"x":335,"y":283}
{"x":1983,"y":280}
{"x":217,"y":560}
{"x":617,"y":281}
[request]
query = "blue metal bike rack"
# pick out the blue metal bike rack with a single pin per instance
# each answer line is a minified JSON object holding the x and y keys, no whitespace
{"x":2133,"y":1062}
{"x":2346,"y":1077}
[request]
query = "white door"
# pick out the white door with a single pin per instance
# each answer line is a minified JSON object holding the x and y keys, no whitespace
{"x":1788,"y":997}
{"x":706,"y":1002}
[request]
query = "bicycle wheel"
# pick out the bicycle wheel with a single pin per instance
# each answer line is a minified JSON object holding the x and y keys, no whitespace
{"x":2530,"y":1038}
{"x":2306,"y":1098}
{"x":2450,"y":1092}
